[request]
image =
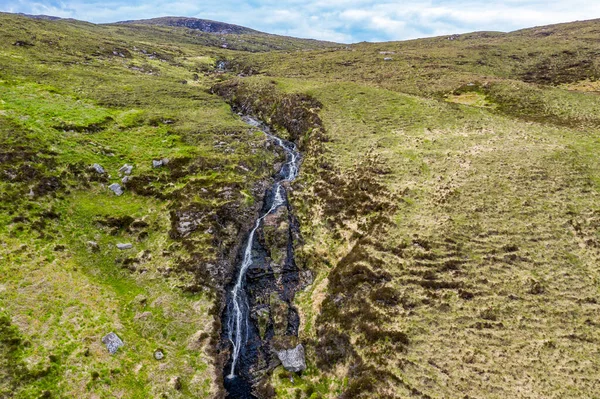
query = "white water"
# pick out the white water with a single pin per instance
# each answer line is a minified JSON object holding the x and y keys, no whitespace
{"x":237,"y":316}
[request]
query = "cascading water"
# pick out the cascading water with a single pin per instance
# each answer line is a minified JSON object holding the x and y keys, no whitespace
{"x":239,"y":330}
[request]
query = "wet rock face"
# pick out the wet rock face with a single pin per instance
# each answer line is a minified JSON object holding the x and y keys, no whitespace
{"x":270,"y":321}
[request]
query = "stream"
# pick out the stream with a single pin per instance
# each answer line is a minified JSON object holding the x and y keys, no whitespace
{"x":249,"y":323}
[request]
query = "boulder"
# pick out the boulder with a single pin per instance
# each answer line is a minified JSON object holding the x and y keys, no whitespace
{"x":112,"y":342}
{"x":124,"y":246}
{"x":98,"y":168}
{"x":293,"y":359}
{"x":160,"y":162}
{"x":126,"y":169}
{"x":158,"y":354}
{"x":116,"y":188}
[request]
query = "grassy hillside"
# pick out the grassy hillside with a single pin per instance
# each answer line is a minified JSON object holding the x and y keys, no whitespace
{"x":73,"y":95}
{"x":450,"y":209}
{"x":448,"y":202}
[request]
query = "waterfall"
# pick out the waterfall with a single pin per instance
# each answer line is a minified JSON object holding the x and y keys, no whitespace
{"x":238,"y":317}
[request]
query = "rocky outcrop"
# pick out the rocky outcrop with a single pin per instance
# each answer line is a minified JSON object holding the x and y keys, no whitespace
{"x":293,"y":359}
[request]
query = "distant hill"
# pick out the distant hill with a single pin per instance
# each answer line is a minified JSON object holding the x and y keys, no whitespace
{"x":233,"y":37}
{"x":203,"y":25}
{"x":46,"y":17}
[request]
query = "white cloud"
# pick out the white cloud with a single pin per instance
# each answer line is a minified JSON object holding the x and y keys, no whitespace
{"x":336,"y":20}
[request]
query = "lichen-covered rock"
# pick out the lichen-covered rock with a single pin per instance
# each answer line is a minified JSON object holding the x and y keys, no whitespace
{"x":293,"y":359}
{"x":112,"y":342}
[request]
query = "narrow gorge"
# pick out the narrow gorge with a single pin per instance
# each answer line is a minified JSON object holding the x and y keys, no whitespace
{"x":260,"y":324}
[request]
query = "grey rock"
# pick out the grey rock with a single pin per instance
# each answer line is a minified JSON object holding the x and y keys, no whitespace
{"x":124,"y":246}
{"x":93,"y":246}
{"x":158,"y":355}
{"x":160,"y":162}
{"x":116,"y":188}
{"x":112,"y":342}
{"x":293,"y":359}
{"x":125,"y":180}
{"x":388,"y":59}
{"x":126,"y":169}
{"x":98,"y":168}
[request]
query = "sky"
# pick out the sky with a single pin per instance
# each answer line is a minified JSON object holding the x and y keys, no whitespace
{"x":348,"y":21}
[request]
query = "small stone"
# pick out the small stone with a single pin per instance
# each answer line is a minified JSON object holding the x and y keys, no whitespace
{"x":125,"y":180}
{"x":158,"y":355}
{"x":112,"y":342}
{"x":388,"y":59}
{"x":126,"y":169}
{"x":124,"y":246}
{"x":293,"y":359}
{"x":116,"y":188}
{"x":165,"y":161}
{"x":99,"y":169}
{"x":157,"y":164}
{"x":93,"y":246}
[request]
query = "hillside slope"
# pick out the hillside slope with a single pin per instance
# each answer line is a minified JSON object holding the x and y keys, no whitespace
{"x":448,"y":205}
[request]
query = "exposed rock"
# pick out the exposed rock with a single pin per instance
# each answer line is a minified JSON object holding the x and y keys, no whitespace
{"x":93,"y":246}
{"x":185,"y":221}
{"x":22,"y":43}
{"x":388,"y":59}
{"x":160,"y":162}
{"x":112,"y":342}
{"x":126,"y":169}
{"x":293,"y":359}
{"x":98,"y":168}
{"x":125,"y":180}
{"x":116,"y":188}
{"x":158,"y":354}
{"x":124,"y":246}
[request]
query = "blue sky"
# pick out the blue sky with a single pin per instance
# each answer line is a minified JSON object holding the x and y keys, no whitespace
{"x":336,"y":20}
